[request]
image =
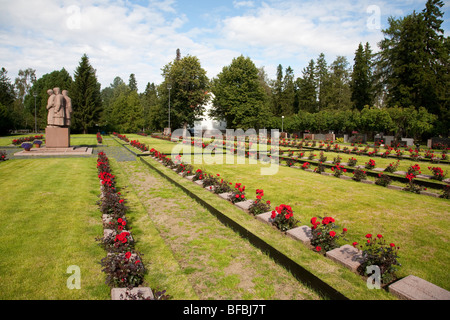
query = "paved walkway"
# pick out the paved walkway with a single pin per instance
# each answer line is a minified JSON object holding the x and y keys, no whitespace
{"x":114,"y":150}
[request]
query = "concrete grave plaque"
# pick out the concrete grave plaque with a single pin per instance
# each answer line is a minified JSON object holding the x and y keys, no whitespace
{"x":347,"y":256}
{"x":415,"y":288}
{"x":265,"y":217}
{"x":244,"y":205}
{"x":121,"y":293}
{"x":225,"y":195}
{"x":302,"y":234}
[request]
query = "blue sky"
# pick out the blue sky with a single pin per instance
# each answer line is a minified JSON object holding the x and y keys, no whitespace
{"x":141,"y":36}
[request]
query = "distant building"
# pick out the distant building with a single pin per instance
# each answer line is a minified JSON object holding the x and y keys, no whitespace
{"x":208,"y":123}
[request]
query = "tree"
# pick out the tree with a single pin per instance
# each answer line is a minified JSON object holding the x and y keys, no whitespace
{"x":189,"y":91}
{"x":58,"y":78}
{"x":307,"y":89}
{"x":277,"y":91}
{"x":127,"y":112}
{"x":7,"y":96}
{"x":86,"y":98}
{"x":361,"y":84}
{"x":24,"y":82}
{"x":132,"y":83}
{"x":321,"y":74}
{"x":414,"y":62}
{"x":239,"y":97}
{"x":338,"y":94}
{"x":288,"y":100}
{"x":375,"y":120}
{"x":152,"y":109}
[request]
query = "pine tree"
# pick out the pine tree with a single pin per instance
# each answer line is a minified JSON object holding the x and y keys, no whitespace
{"x":151,"y":109}
{"x":307,"y":89}
{"x":86,"y":98}
{"x":277,"y":91}
{"x":414,"y":63}
{"x":321,"y":73}
{"x":338,"y":93}
{"x":6,"y":101}
{"x":132,"y":83}
{"x":361,"y":84}
{"x":288,"y":100}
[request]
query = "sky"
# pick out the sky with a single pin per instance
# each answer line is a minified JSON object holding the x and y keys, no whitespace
{"x":121,"y":37}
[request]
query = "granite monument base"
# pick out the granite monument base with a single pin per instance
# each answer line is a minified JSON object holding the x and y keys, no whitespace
{"x":57,"y":137}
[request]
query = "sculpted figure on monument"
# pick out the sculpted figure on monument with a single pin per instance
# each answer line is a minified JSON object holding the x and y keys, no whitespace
{"x":60,"y":110}
{"x":68,"y":108}
{"x":50,"y":107}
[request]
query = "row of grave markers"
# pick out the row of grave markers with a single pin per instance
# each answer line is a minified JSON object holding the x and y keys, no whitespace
{"x":408,"y":288}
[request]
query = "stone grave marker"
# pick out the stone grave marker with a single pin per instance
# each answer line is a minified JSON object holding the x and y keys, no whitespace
{"x":347,"y":256}
{"x":415,"y":288}
{"x":244,"y":205}
{"x":225,"y":195}
{"x":302,"y":234}
{"x":265,"y":217}
{"x":121,"y":293}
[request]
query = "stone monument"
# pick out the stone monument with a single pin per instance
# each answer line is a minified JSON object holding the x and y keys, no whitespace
{"x":59,"y":106}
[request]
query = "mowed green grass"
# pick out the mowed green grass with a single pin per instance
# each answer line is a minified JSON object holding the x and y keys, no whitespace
{"x":418,"y":224}
{"x":49,"y":222}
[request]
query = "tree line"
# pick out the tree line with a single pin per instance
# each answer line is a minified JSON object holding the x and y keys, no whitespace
{"x":402,"y":89}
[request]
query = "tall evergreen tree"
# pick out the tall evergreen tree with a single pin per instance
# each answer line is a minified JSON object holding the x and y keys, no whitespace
{"x":338,"y":94}
{"x":414,"y":62}
{"x":152,"y":111}
{"x":86,"y":98}
{"x":361,"y":85}
{"x":321,"y":73}
{"x":277,"y":91}
{"x":132,"y":83}
{"x":6,"y":102}
{"x":288,"y":101}
{"x":307,"y":89}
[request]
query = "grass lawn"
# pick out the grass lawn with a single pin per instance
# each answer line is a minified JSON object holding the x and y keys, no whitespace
{"x":49,"y":222}
{"x":418,"y":224}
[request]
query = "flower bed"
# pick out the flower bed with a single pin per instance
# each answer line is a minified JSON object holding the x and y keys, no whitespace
{"x":123,"y":264}
{"x":19,"y":141}
{"x":3,"y":156}
{"x":99,"y":138}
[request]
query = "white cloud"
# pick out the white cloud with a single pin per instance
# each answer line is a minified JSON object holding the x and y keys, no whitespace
{"x":141,"y":36}
{"x":241,"y":4}
{"x":118,"y":39}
